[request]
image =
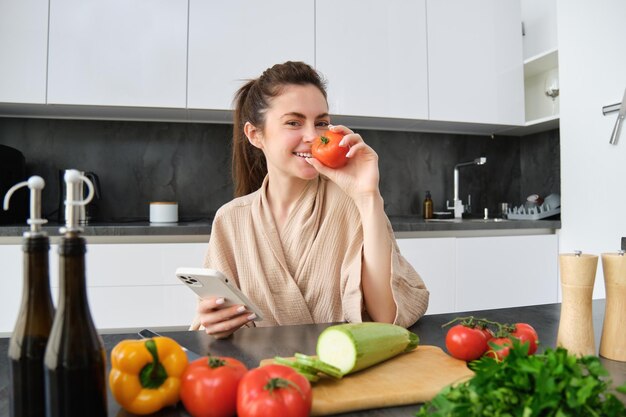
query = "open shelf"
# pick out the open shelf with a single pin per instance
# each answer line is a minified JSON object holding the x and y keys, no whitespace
{"x":542,"y":112}
{"x":541,"y":63}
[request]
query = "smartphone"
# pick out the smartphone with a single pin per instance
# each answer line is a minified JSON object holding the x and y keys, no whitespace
{"x":212,"y":283}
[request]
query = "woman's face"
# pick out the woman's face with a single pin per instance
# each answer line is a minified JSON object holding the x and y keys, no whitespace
{"x":294,"y":118}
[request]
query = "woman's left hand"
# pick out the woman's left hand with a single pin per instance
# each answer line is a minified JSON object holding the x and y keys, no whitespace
{"x":360,"y":176}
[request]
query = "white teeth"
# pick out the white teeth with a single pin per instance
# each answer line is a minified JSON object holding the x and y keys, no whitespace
{"x":303,"y":154}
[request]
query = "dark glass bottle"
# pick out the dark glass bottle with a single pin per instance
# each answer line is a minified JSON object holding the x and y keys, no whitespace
{"x":32,"y":329}
{"x":428,"y":206}
{"x":75,"y":360}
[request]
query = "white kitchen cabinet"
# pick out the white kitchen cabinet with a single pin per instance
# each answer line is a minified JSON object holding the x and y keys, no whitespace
{"x":541,"y":62}
{"x":506,"y":271}
{"x":475,"y":61}
{"x":373,"y":53}
{"x":118,"y":53}
{"x":11,"y":284}
{"x":540,"y":31}
{"x":128,"y":285}
{"x":23,"y":51}
{"x":142,"y":306}
{"x":233,"y":41}
{"x":433,"y":259}
{"x":474,"y":273}
{"x":134,"y":285}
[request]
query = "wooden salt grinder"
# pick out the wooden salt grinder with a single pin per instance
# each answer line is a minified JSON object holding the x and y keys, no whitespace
{"x":613,"y":341}
{"x":578,"y":274}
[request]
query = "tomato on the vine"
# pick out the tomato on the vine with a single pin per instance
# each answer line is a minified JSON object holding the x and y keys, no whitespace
{"x":499,"y":348}
{"x":274,"y":391}
{"x":209,"y":386}
{"x":326,"y":149}
{"x":466,"y":343}
{"x":526,"y":333}
{"x":488,"y":333}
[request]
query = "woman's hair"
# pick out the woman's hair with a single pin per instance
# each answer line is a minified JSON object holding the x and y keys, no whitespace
{"x":251,"y":103}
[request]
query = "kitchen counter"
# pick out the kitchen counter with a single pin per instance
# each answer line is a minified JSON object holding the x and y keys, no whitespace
{"x":198,"y":231}
{"x":417,"y":224}
{"x":124,"y":232}
{"x":250,"y":345}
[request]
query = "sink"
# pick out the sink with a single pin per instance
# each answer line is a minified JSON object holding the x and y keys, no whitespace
{"x":496,"y":220}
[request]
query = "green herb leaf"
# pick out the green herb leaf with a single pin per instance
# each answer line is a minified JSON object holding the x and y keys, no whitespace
{"x":553,"y":383}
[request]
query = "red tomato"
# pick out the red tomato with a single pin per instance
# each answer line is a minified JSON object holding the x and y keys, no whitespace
{"x":488,"y":333}
{"x":209,"y":386}
{"x":274,"y":391}
{"x":525,"y":333}
{"x":326,"y":149}
{"x":466,"y":343}
{"x":499,"y":348}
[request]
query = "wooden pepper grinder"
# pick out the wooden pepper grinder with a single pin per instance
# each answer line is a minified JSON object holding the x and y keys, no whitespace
{"x":613,"y":341}
{"x":578,"y":274}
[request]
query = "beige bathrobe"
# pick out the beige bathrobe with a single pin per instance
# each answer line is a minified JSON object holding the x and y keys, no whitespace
{"x":311,"y":271}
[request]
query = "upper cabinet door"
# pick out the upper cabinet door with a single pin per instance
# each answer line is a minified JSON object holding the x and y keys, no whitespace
{"x":118,"y":52}
{"x":236,"y":40}
{"x":540,"y":35}
{"x":23,"y":50}
{"x":373,"y":54}
{"x":475,"y":62}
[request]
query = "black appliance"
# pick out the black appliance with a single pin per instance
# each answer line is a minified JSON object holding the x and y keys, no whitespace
{"x":12,"y":171}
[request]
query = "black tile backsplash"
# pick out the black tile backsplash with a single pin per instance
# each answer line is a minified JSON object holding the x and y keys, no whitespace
{"x":139,"y":162}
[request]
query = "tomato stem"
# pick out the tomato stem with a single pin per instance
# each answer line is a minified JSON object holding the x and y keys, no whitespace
{"x":278,"y":383}
{"x":215,"y":362}
{"x":502,"y":329}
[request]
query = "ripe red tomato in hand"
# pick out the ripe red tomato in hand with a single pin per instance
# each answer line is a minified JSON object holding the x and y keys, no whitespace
{"x":499,"y":348}
{"x":274,"y":391}
{"x":466,"y":343}
{"x":526,"y":333}
{"x":209,"y":386}
{"x":326,"y":149}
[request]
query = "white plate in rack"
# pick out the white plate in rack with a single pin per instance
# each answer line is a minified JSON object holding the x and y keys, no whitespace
{"x":521,"y":213}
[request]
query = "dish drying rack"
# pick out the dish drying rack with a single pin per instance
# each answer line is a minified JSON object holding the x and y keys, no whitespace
{"x":532,"y":213}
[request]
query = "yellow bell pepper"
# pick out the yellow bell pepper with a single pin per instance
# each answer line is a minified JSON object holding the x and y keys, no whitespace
{"x":145,"y":374}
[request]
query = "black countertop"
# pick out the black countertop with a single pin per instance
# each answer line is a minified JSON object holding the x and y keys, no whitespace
{"x":253,"y":344}
{"x":203,"y":227}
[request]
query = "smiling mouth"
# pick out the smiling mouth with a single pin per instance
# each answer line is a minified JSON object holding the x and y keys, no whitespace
{"x":303,"y":154}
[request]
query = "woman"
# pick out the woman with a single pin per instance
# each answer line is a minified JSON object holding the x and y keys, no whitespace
{"x":306,"y":243}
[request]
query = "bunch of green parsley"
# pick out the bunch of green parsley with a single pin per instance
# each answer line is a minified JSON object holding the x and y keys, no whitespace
{"x":553,"y":383}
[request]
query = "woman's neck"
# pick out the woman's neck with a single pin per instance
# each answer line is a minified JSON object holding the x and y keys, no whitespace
{"x":283,"y":195}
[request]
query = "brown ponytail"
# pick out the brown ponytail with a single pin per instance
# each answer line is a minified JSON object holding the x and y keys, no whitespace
{"x":251,"y":102}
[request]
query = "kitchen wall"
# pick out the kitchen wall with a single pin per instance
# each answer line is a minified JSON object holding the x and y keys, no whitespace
{"x":139,"y":162}
{"x":592,"y":68}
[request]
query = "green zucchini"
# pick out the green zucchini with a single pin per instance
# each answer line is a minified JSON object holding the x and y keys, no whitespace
{"x":308,"y":372}
{"x":352,"y":347}
{"x":318,"y":365}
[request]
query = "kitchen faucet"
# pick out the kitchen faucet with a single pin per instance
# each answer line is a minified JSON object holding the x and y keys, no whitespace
{"x":457,"y":203}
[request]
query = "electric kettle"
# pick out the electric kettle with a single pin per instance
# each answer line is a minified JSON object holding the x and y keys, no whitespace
{"x":88,"y":213}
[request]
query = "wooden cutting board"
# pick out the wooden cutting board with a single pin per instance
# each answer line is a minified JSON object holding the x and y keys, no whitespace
{"x":410,"y":378}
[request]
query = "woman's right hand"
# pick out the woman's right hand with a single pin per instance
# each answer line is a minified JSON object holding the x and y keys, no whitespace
{"x":220,"y":321}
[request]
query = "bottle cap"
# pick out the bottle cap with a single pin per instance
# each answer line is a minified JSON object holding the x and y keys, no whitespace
{"x":35,"y":184}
